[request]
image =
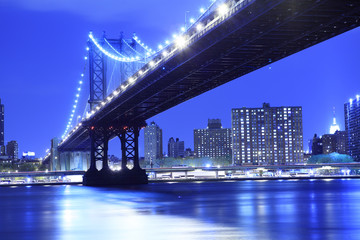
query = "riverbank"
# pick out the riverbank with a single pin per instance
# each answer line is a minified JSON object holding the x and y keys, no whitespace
{"x":252,"y":178}
{"x":183,"y":180}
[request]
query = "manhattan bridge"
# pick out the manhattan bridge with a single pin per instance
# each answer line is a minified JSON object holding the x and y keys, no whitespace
{"x":130,"y":82}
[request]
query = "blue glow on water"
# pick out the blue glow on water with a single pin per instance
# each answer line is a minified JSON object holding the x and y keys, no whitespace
{"x":209,"y":210}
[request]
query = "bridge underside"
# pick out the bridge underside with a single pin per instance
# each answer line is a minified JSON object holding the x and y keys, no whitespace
{"x":260,"y":33}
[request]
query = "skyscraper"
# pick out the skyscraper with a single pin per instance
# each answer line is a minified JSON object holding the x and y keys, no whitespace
{"x":214,"y":141}
{"x":328,"y":143}
{"x":12,"y":149}
{"x":334,"y":126}
{"x":340,"y":142}
{"x":2,"y":129}
{"x":176,"y":148}
{"x":267,"y":135}
{"x":153,"y":144}
{"x":352,"y":126}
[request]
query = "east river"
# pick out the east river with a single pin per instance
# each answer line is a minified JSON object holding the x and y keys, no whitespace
{"x":300,"y":209}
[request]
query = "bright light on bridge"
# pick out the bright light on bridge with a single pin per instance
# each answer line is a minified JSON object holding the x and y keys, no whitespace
{"x":223,"y":9}
{"x":181,"y":41}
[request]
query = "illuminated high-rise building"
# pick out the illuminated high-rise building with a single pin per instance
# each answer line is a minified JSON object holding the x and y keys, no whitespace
{"x":153,"y":144}
{"x":213,"y":142}
{"x":334,"y":126}
{"x":352,"y":126}
{"x":267,"y":135}
{"x":2,"y":128}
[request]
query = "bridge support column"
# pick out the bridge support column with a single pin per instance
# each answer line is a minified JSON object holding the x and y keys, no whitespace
{"x":105,"y":161}
{"x":122,"y":137}
{"x":96,"y":148}
{"x":129,"y":137}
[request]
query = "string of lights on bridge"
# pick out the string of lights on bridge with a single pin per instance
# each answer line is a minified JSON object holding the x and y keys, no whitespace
{"x":166,"y":50}
{"x":117,"y":56}
{"x":77,"y":96}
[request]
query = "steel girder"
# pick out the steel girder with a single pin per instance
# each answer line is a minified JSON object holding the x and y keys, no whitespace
{"x":97,"y":69}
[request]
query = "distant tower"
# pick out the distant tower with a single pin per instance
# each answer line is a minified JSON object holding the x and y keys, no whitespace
{"x":176,"y":148}
{"x":12,"y":150}
{"x":267,"y":135}
{"x":153,"y":144}
{"x":352,"y":126}
{"x":334,"y":127}
{"x":214,"y":141}
{"x":2,"y":130}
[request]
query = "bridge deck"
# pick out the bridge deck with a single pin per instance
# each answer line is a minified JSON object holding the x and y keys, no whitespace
{"x":261,"y":32}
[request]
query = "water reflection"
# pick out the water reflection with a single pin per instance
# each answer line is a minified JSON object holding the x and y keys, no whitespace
{"x":228,"y":210}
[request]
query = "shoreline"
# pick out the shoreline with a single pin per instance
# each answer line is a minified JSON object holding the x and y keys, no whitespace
{"x":199,"y":180}
{"x":254,"y":179}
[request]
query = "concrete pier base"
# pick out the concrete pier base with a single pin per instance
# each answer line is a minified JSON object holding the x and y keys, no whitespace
{"x":110,"y":178}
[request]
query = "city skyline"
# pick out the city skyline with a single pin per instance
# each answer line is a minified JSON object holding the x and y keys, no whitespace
{"x":323,"y":76}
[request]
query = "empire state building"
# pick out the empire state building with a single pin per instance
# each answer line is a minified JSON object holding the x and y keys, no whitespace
{"x":334,"y":127}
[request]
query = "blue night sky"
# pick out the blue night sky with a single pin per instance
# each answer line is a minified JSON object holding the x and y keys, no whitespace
{"x":42,"y":56}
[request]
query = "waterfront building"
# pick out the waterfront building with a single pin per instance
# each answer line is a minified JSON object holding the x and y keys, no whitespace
{"x":12,"y":150}
{"x":189,"y":153}
{"x":340,"y":142}
{"x":317,"y":145}
{"x":2,"y":150}
{"x":352,"y":126}
{"x":153,"y":143}
{"x":2,"y":128}
{"x":214,"y":141}
{"x":55,"y":163}
{"x":176,"y":148}
{"x":329,"y":143}
{"x":310,"y":143}
{"x":307,"y":156}
{"x":267,"y":135}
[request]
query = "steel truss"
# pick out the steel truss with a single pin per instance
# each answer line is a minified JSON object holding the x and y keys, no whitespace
{"x":98,"y":65}
{"x":129,"y":138}
{"x":97,"y":69}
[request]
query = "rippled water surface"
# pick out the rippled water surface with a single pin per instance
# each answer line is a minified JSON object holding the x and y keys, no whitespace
{"x":304,"y":209}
